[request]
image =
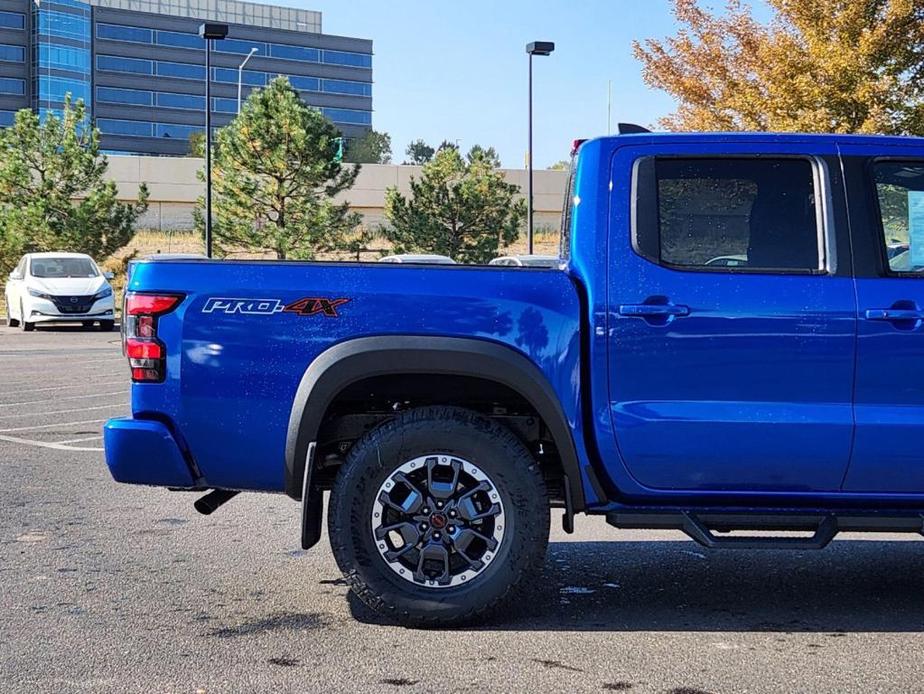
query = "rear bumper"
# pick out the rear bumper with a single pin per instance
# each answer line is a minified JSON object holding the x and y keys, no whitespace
{"x":140,"y":451}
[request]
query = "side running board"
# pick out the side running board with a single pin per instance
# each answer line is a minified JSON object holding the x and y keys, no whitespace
{"x":703,"y":526}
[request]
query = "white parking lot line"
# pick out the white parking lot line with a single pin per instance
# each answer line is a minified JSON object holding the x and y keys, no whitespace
{"x":49,"y":426}
{"x":75,"y":385}
{"x":46,"y":444}
{"x":54,"y":377}
{"x":69,"y":397}
{"x":77,"y":409}
{"x":81,"y":440}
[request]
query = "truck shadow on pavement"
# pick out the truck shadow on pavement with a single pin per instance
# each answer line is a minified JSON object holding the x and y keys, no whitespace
{"x":852,"y":586}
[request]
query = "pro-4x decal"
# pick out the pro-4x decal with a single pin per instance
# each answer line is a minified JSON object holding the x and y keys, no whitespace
{"x":311,"y":306}
{"x":307,"y":306}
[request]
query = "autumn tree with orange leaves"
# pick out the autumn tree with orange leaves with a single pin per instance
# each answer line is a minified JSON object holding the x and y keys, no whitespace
{"x":843,"y":66}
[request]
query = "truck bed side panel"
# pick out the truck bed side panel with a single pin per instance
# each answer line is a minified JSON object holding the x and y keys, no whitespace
{"x":236,"y":356}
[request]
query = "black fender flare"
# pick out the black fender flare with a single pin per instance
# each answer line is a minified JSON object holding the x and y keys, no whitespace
{"x":365,"y":357}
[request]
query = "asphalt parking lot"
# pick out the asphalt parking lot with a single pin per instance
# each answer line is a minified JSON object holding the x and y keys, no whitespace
{"x":110,"y":588}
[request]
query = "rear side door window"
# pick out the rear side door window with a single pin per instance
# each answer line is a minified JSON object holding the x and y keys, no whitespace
{"x":900,"y":194}
{"x":729,"y":214}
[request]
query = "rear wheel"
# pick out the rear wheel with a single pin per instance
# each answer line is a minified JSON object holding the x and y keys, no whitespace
{"x":439,"y":516}
{"x":107,"y":325}
{"x":10,"y":321}
{"x":24,"y":324}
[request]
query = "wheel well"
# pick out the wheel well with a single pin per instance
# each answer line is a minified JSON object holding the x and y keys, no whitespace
{"x":367,"y":403}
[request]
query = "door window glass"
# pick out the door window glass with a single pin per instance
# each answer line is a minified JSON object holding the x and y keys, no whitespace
{"x":900,"y":191}
{"x":729,"y":214}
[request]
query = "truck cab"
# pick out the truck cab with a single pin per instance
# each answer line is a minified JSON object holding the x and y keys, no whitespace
{"x":732,"y":341}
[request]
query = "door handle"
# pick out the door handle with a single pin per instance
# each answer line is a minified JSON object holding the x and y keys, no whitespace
{"x":653,"y":310}
{"x":893,"y":314}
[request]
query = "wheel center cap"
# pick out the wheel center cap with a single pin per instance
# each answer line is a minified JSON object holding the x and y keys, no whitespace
{"x":438,"y":521}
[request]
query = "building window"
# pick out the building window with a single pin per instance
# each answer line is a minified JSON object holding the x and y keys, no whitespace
{"x":238,"y":46}
{"x":229,"y":75}
{"x":224,"y":105}
{"x":135,"y":97}
{"x":183,"y":101}
{"x":12,"y":20}
{"x":186,"y":71}
{"x":112,"y":63}
{"x":111,"y":126}
{"x":12,"y":54}
{"x":118,"y":32}
{"x":177,"y":132}
{"x":345,"y":58}
{"x":348,"y":116}
{"x":179,"y":40}
{"x":305,"y":84}
{"x":346,"y":87}
{"x":301,"y":53}
{"x":63,"y":25}
{"x":57,"y":88}
{"x":64,"y":58}
{"x":7,"y":118}
{"x":8,"y":85}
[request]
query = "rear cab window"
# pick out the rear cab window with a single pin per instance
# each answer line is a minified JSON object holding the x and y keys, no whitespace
{"x":732,"y":214}
{"x":900,"y":199}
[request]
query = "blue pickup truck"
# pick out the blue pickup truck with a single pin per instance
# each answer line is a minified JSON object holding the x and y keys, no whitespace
{"x":650,"y":379}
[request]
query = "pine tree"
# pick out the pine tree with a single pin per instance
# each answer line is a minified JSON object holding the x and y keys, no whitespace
{"x":53,"y":195}
{"x":462,"y":208}
{"x":274,"y":178}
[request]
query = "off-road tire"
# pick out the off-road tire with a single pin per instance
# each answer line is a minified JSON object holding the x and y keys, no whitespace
{"x":455,"y":432}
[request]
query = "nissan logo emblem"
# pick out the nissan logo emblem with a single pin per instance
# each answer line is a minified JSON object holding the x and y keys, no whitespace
{"x":73,"y":299}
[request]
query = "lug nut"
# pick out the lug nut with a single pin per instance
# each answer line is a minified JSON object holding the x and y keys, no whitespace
{"x":436,"y":536}
{"x":451,"y":529}
{"x":423,"y":526}
{"x":425,"y":510}
{"x":452,"y":514}
{"x":439,"y":504}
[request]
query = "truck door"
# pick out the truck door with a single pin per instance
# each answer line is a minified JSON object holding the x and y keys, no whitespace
{"x":731,"y":325}
{"x":886,"y":199}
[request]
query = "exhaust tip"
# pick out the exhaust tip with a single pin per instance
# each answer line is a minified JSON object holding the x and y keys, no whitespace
{"x":210,"y":503}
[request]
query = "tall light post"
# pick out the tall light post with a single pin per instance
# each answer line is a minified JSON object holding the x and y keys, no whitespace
{"x":210,"y":31}
{"x":240,"y":75}
{"x":534,"y":48}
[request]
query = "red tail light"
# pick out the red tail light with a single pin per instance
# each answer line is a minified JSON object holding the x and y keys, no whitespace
{"x":150,"y":304}
{"x":147,"y":355}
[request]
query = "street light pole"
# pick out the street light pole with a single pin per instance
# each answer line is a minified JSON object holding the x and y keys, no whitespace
{"x":210,"y":32}
{"x":534,"y":48}
{"x":529,"y":166}
{"x":240,"y":75}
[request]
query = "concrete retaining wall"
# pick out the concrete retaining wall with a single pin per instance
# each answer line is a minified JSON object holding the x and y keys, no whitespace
{"x":174,"y":189}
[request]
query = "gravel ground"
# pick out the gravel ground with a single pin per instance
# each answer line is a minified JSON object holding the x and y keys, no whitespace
{"x":112,"y":588}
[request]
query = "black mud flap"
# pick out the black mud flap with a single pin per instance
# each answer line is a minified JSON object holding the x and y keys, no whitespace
{"x":312,"y":505}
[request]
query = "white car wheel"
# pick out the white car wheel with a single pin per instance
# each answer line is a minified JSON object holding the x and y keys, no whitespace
{"x":10,"y":321}
{"x":23,"y":323}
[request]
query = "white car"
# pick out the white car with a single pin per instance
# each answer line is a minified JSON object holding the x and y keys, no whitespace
{"x":527,"y":261}
{"x":420,"y":258}
{"x":59,"y":288}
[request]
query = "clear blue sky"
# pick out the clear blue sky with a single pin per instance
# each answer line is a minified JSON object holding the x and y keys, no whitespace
{"x":458,"y":70}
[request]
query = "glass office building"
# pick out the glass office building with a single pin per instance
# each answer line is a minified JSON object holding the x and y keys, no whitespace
{"x":139,"y":65}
